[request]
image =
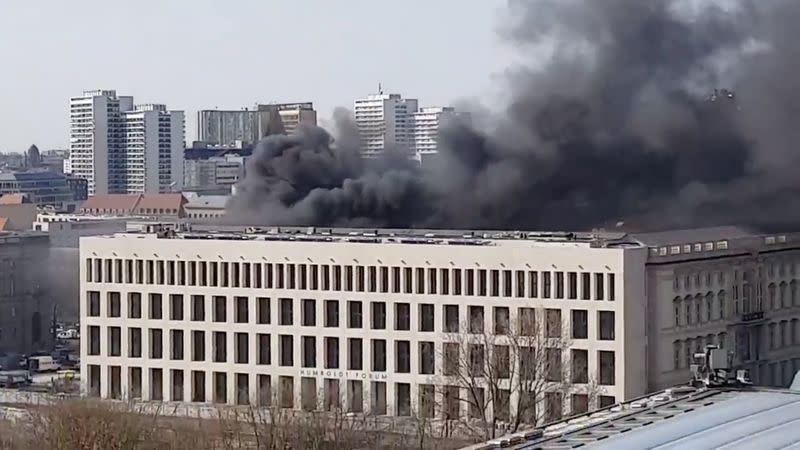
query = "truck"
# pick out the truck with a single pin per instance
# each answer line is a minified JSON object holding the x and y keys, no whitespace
{"x":43,"y":364}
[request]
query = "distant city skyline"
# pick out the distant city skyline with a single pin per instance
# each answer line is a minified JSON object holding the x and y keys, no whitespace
{"x":206,"y":55}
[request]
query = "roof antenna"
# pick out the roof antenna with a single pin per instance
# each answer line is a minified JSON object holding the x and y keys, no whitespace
{"x":380,"y":88}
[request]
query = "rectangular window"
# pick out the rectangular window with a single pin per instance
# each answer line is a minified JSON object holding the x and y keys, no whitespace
{"x":269,"y":276}
{"x":242,"y":348}
{"x":379,"y":355}
{"x":476,"y":319}
{"x":420,"y":278}
{"x":355,"y":315}
{"x":160,"y":272}
{"x":572,"y":285}
{"x":501,"y":320}
{"x":432,"y":287}
{"x":337,"y":278}
{"x":331,"y":353}
{"x":470,"y":281}
{"x":302,"y":276}
{"x":599,"y":290}
{"x":198,"y":345}
{"x":360,"y":287}
{"x":553,"y":363}
{"x":427,"y":358}
{"x":264,"y":349}
{"x":546,"y":284}
{"x":395,"y":280}
{"x":580,"y":365}
{"x":580,"y":324}
{"x":586,"y":288}
{"x":519,"y":290}
{"x":355,"y":354}
{"x":94,"y":303}
{"x":314,"y":277}
{"x":402,"y":317}
{"x":220,"y":340}
{"x":134,"y":305}
{"x":426,"y":317}
{"x":457,"y":282}
{"x":176,"y":307}
{"x":309,"y":348}
{"x":309,"y":312}
{"x":94,"y":340}
{"x":507,"y":285}
{"x":263,"y":310}
{"x":611,"y":287}
{"x":114,"y":305}
{"x":192,"y":273}
{"x":331,"y":313}
{"x":326,"y":277}
{"x":533,"y":284}
{"x":402,"y":357}
{"x":155,"y":307}
{"x":156,"y":343}
{"x":482,"y":281}
{"x":242,"y":309}
{"x":552,"y":323}
{"x":198,"y":308}
{"x":372,"y":279}
{"x":220,"y":309}
{"x":607,"y":368}
{"x":286,"y":312}
{"x":135,"y":343}
{"x":176,"y":345}
{"x":606,"y":328}
{"x":378,"y":315}
{"x":451,"y":359}
{"x":384,"y":279}
{"x":139,"y":271}
{"x":171,"y":273}
{"x":527,"y":322}
{"x":348,"y":278}
{"x":279,"y":276}
{"x":286,"y":350}
{"x":495,"y":283}
{"x":445,"y":275}
{"x":451,"y":320}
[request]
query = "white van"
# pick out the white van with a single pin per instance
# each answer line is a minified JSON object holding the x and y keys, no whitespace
{"x":42,"y":364}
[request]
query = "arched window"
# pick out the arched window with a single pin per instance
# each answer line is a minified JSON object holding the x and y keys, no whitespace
{"x":721,"y":338}
{"x":793,"y":292}
{"x":676,"y":351}
{"x":676,"y":304}
{"x":793,"y":330}
{"x":721,"y":300}
{"x":772,"y":301}
{"x":698,"y":305}
{"x":687,"y":304}
{"x":688,"y":350}
{"x":709,"y":306}
{"x":784,"y":299}
{"x":786,"y":337}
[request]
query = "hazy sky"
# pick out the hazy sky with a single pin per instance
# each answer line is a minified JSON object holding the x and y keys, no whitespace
{"x":199,"y":54}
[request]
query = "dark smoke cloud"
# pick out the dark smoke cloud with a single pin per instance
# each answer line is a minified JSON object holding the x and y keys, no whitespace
{"x":614,"y":124}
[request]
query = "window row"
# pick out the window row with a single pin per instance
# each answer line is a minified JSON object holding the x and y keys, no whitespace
{"x":476,"y":360}
{"x":406,"y":280}
{"x":372,"y":315}
{"x":327,"y":394}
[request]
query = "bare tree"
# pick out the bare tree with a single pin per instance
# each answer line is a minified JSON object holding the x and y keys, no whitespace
{"x":517,"y":373}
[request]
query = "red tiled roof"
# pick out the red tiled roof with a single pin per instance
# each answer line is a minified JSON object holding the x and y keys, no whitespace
{"x":112,"y":202}
{"x":135,"y":203}
{"x":12,"y":199}
{"x":3,"y":221}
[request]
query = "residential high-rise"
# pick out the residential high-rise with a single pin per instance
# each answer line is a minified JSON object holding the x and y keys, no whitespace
{"x":119,"y":148}
{"x":248,"y":126}
{"x":383,"y":122}
{"x":425,"y":126}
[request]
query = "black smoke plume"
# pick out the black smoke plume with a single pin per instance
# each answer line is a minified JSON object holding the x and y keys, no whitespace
{"x":660,"y":113}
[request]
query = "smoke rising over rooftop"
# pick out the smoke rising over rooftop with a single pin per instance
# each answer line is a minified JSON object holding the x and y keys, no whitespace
{"x":616,"y":124}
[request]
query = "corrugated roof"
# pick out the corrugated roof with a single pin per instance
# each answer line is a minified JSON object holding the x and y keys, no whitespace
{"x":730,"y":418}
{"x":160,"y":201}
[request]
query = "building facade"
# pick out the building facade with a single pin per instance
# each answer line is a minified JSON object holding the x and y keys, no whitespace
{"x":25,"y":300}
{"x":384,"y":121}
{"x":121,"y":148}
{"x":247,"y":126}
{"x":42,"y":187}
{"x":217,"y":173}
{"x":725,"y":287}
{"x":352,"y":317}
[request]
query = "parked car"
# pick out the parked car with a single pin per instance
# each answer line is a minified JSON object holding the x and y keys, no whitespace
{"x":14,"y":379}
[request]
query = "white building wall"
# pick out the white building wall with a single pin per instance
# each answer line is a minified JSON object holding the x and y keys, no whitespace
{"x":101,"y":253}
{"x":178,"y":146}
{"x":383,"y":122}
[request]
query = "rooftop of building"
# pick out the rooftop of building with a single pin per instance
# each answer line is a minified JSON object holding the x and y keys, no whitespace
{"x":677,"y":418}
{"x":135,"y":203}
{"x":36,"y":174}
{"x":207,"y":201}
